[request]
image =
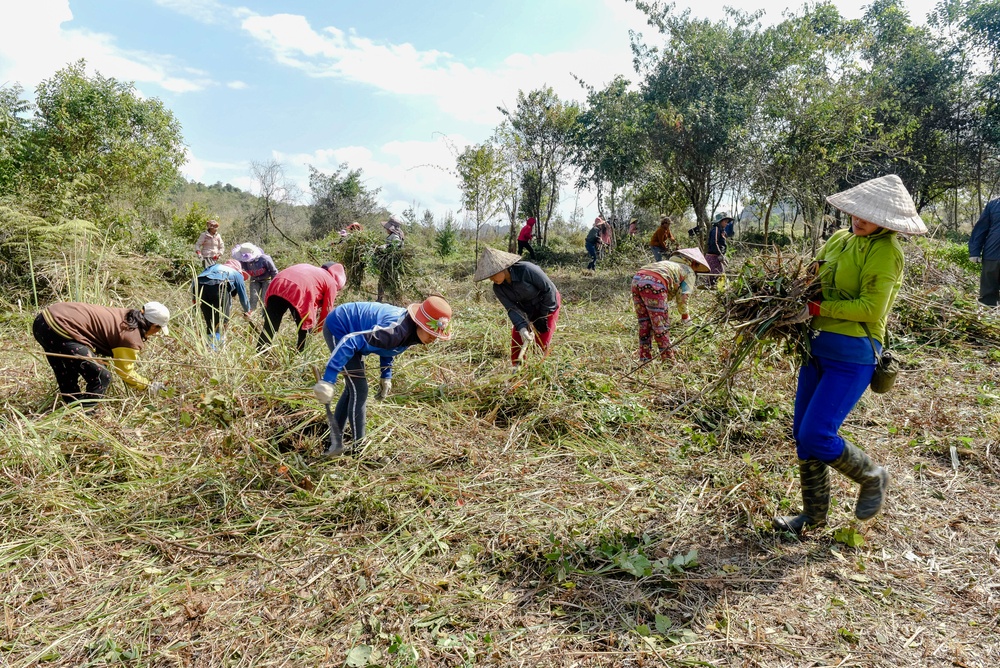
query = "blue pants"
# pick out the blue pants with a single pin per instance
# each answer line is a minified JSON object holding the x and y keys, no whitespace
{"x":827,"y":392}
{"x":592,"y":252}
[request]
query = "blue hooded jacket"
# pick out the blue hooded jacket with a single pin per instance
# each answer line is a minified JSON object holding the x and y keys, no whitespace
{"x":985,"y":240}
{"x":368,"y":328}
{"x":220,"y":273}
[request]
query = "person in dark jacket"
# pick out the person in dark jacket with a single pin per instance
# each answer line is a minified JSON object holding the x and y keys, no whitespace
{"x":71,"y":333}
{"x":715,"y":249}
{"x":259,"y":266}
{"x":214,"y":289}
{"x":372,"y":328}
{"x":594,"y":240}
{"x":531,"y":299}
{"x":984,"y":249}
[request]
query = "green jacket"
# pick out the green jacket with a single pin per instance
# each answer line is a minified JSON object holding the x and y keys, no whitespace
{"x":861,"y":277}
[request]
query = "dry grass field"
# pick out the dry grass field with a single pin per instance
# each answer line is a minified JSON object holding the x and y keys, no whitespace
{"x":570,"y":513}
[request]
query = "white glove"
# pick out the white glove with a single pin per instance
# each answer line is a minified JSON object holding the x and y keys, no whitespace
{"x":156,"y":387}
{"x":975,"y":260}
{"x":324,"y":391}
{"x":800,"y":317}
{"x":685,"y":321}
{"x":384,"y":387}
{"x":526,"y":335}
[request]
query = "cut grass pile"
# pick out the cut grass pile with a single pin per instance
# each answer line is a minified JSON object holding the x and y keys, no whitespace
{"x":563,"y":514}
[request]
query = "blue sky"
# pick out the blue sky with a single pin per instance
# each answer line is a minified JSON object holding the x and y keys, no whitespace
{"x":395,"y":88}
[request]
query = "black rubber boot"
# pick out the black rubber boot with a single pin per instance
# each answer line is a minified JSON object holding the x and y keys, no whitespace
{"x":815,"y":481}
{"x":874,"y":480}
{"x":336,"y":443}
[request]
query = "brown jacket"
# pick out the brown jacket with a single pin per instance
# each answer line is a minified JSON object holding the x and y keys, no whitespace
{"x":659,"y":238}
{"x":102,"y":329}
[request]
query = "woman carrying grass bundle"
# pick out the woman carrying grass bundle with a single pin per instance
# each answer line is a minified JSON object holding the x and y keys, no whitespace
{"x":656,"y":284}
{"x":394,"y":231}
{"x":531,"y":299}
{"x":861,"y":271}
{"x":371,"y":328}
{"x":71,"y":333}
{"x":214,"y":289}
{"x":259,"y":266}
{"x":305,"y":291}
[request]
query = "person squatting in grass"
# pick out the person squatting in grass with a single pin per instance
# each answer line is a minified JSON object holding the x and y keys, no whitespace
{"x":259,"y":266}
{"x":530,"y":297}
{"x":305,"y":291}
{"x":861,"y":271}
{"x":83,"y":330}
{"x":656,"y":284}
{"x":213,"y":291}
{"x":357,"y":329}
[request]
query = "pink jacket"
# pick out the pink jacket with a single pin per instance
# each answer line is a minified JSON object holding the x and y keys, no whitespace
{"x":210,"y":245}
{"x":310,"y":289}
{"x":525,"y":234}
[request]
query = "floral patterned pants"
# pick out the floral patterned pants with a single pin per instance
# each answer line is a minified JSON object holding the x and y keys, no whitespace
{"x":650,"y":297}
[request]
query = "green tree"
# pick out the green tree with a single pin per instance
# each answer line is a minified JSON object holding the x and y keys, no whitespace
{"x":544,"y":125}
{"x":702,"y":87}
{"x":340,"y":199}
{"x":95,"y":147}
{"x":610,"y":148}
{"x":481,"y":182}
{"x":13,"y":134}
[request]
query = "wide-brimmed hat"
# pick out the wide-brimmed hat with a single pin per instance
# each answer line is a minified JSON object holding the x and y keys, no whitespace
{"x":157,"y":314}
{"x":698,"y":261}
{"x":246,"y":252}
{"x":721,"y":217}
{"x":433,"y":315}
{"x":493,"y":261}
{"x":884,"y":201}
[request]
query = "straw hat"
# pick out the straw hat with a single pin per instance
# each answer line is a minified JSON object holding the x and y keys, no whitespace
{"x":433,"y":315}
{"x":493,"y":261}
{"x":883,"y":201}
{"x":246,"y":252}
{"x":698,"y":261}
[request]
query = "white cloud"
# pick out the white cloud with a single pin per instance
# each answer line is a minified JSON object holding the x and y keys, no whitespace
{"x":408,"y":172}
{"x":36,"y":44}
{"x":237,"y":85}
{"x":204,"y":11}
{"x":461,"y":91}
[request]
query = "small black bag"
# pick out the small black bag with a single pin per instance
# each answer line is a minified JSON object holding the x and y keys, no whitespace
{"x":886,"y":367}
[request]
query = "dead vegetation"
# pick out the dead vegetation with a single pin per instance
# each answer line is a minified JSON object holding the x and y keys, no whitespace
{"x":564,"y":515}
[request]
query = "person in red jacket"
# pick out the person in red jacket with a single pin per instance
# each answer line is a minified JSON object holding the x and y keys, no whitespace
{"x":524,"y":238}
{"x":305,"y":291}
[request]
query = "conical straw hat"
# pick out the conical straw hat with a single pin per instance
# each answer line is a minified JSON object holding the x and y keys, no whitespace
{"x":698,"y":261}
{"x":883,"y":201}
{"x":493,"y":261}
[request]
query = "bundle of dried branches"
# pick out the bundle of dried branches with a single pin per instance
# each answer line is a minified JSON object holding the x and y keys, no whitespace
{"x":764,"y":303}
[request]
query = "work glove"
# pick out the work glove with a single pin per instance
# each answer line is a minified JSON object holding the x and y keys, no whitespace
{"x":156,"y":387}
{"x":324,"y":391}
{"x":248,"y":314}
{"x":526,"y":335}
{"x":685,"y":320}
{"x":384,"y":387}
{"x":975,"y":260}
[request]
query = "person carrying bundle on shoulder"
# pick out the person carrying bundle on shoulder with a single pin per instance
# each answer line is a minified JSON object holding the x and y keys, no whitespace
{"x":73,"y":332}
{"x":861,"y":271}
{"x":653,"y":286}
{"x":371,"y":328}
{"x":530,"y":297}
